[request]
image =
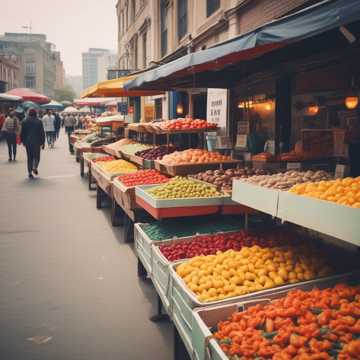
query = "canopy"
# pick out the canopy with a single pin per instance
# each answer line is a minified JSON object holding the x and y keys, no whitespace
{"x":314,"y":20}
{"x":53,"y":105}
{"x":92,"y":102}
{"x":29,"y":105}
{"x":29,"y":95}
{"x":115,"y":88}
{"x":70,"y":110}
{"x":85,"y":109}
{"x":8,"y":98}
{"x":66,"y":103}
{"x":112,"y":118}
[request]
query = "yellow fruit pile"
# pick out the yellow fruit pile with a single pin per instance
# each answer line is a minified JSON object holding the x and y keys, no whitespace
{"x":342,"y":191}
{"x":235,"y":273}
{"x":181,"y":187}
{"x":117,"y":166}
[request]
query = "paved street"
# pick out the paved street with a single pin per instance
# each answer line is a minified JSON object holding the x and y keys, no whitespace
{"x":66,"y":274}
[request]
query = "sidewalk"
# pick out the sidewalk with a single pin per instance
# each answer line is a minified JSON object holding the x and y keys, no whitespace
{"x":65,"y":273}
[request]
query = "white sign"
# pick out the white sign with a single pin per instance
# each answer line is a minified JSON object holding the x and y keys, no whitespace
{"x":217,"y":108}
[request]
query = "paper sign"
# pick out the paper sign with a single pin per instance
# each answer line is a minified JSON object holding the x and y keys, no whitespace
{"x":293,"y":166}
{"x":217,"y":108}
{"x":241,"y":141}
{"x":341,"y":171}
{"x":223,"y":142}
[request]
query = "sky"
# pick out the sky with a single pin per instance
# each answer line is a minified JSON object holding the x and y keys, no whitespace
{"x":72,"y":25}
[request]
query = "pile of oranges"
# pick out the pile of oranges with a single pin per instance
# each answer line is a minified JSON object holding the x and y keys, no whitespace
{"x":341,"y":191}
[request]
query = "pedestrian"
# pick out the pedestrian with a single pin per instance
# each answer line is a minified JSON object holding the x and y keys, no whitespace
{"x":33,"y":138}
{"x":48,"y":121}
{"x":69,"y":124}
{"x":2,"y":120}
{"x":11,"y":128}
{"x":57,"y":125}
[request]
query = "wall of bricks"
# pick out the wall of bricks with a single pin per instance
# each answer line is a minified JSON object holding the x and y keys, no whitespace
{"x":259,"y":12}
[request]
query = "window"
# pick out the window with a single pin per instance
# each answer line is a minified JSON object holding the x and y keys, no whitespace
{"x":182,"y":18}
{"x":144,"y":38}
{"x":211,"y":6}
{"x":163,"y":27}
{"x":30,"y":82}
{"x":30,"y":68}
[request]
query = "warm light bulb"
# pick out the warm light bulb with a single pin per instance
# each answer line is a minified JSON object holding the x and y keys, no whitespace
{"x":268,"y":106}
{"x":312,"y":110}
{"x":351,"y":102}
{"x":179,"y":109}
{"x":241,"y":105}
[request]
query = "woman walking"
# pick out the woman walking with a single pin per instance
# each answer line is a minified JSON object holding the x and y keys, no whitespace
{"x":48,"y":121}
{"x":33,"y":138}
{"x":11,"y":127}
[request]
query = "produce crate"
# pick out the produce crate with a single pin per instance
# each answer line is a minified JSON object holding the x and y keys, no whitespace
{"x":339,"y":221}
{"x":111,"y":151}
{"x":143,"y":246}
{"x":103,"y":179}
{"x":186,"y":169}
{"x":166,"y":208}
{"x":187,"y":300}
{"x":256,"y":197}
{"x":124,"y":196}
{"x":138,"y":160}
{"x":207,"y":348}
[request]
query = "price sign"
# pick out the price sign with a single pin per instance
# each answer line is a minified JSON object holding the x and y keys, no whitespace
{"x":217,"y":108}
{"x":241,"y":141}
{"x":293,"y":166}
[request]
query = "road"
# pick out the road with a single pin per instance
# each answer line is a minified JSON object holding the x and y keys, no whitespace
{"x":68,"y":282}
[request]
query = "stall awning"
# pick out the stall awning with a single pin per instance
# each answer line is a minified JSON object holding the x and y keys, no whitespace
{"x":115,"y":88}
{"x":314,"y":20}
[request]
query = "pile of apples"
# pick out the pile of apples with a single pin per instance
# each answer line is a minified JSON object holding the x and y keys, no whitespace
{"x":193,"y":156}
{"x":187,"y":124}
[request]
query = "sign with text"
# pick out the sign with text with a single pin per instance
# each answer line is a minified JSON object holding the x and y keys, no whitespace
{"x":217,"y":108}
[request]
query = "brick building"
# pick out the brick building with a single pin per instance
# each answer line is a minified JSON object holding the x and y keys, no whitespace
{"x":152,"y":32}
{"x":9,"y":72}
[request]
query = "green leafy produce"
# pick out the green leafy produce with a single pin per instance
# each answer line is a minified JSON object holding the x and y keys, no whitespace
{"x":182,"y":227}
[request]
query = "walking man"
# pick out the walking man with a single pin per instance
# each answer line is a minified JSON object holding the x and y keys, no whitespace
{"x":57,"y":125}
{"x":48,"y":121}
{"x":33,"y":138}
{"x":11,"y":128}
{"x":69,"y":124}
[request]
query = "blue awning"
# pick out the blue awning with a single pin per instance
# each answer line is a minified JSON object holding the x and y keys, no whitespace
{"x":314,"y":20}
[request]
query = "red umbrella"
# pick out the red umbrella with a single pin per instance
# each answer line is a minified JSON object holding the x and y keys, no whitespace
{"x":29,"y":95}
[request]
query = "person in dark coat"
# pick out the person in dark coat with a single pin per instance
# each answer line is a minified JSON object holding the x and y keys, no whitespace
{"x":57,"y":124}
{"x":33,"y":137}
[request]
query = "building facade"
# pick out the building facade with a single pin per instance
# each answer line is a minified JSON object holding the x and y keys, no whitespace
{"x":95,"y":63}
{"x":153,"y":32}
{"x":9,"y":72}
{"x":37,"y":60}
{"x":59,"y":71}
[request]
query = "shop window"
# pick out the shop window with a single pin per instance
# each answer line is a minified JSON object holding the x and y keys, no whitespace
{"x":212,"y":6}
{"x":158,"y":109}
{"x":163,"y":27}
{"x":30,"y":82}
{"x":30,"y":68}
{"x":182,"y":18}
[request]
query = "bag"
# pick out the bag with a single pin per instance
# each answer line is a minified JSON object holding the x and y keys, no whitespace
{"x":18,"y":139}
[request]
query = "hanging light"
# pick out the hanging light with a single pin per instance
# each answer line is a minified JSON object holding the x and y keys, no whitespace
{"x":268,"y":106}
{"x":312,"y":110}
{"x":179,"y":108}
{"x":351,"y":102}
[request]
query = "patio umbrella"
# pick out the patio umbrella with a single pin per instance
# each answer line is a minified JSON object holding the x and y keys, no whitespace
{"x":29,"y":95}
{"x":66,"y":103}
{"x":53,"y":105}
{"x":9,"y":98}
{"x":71,"y":110}
{"x":30,"y":105}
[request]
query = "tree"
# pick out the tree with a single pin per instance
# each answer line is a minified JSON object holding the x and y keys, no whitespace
{"x":66,"y":93}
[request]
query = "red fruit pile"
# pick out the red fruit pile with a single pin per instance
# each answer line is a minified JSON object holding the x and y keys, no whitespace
{"x":210,"y":244}
{"x":104,"y":158}
{"x":187,"y":124}
{"x":143,"y":177}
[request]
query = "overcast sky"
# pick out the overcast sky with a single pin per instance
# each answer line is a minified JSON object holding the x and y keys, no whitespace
{"x":72,"y":25}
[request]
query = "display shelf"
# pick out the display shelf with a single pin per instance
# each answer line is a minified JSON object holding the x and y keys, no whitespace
{"x":186,"y":169}
{"x":143,"y":247}
{"x":205,"y":347}
{"x":125,"y":196}
{"x":256,"y":197}
{"x":339,"y":221}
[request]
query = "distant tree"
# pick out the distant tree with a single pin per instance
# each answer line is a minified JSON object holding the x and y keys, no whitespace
{"x":66,"y":93}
